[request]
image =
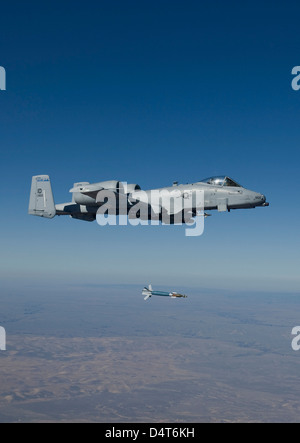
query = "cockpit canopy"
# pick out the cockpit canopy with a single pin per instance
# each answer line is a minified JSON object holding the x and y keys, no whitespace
{"x":221,"y":181}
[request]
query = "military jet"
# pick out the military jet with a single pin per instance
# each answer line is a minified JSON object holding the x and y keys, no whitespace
{"x":219,"y":193}
{"x":148,"y":292}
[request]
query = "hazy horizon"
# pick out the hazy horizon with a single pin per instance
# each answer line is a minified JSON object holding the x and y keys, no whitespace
{"x":106,"y":355}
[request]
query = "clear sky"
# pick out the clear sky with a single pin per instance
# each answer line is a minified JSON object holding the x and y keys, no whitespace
{"x":151,"y":92}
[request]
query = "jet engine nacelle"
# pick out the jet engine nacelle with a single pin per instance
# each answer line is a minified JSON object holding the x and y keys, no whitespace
{"x":86,"y":200}
{"x":128,"y":189}
{"x":113,"y":185}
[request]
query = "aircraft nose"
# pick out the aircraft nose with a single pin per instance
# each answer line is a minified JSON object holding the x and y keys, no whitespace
{"x":260,"y":199}
{"x":264,"y":200}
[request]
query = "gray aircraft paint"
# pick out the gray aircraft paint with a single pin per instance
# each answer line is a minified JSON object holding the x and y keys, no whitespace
{"x":220,"y":193}
{"x":41,"y":201}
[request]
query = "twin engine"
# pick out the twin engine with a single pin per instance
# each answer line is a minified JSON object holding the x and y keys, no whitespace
{"x":85,"y":193}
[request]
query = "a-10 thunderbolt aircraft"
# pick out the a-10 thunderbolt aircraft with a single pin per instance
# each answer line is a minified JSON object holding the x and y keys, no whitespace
{"x":148,"y":292}
{"x":219,"y":193}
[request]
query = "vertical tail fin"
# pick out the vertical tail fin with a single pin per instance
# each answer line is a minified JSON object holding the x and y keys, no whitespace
{"x":41,"y":198}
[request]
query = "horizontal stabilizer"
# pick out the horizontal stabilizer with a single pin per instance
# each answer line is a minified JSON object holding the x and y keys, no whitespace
{"x":84,"y":217}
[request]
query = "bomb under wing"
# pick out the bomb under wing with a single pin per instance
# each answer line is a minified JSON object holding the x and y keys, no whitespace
{"x":148,"y":292}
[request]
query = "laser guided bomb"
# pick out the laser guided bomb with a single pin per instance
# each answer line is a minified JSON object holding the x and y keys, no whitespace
{"x":148,"y":292}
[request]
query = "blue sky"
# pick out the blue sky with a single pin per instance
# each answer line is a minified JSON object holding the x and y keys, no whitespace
{"x":149,"y":93}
